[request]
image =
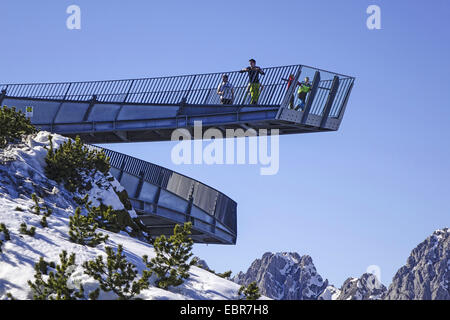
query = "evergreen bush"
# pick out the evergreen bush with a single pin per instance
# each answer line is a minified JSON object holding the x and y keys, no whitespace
{"x":24,"y":230}
{"x":72,"y":162}
{"x":117,"y":274}
{"x":172,"y":254}
{"x":82,"y":230}
{"x":5,"y":237}
{"x":13,"y":126}
{"x":251,"y":292}
{"x":56,"y":285}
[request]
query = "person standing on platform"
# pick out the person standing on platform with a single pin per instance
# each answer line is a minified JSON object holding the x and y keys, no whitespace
{"x":289,"y":81}
{"x":226,"y":91}
{"x":254,"y":87}
{"x":305,"y":87}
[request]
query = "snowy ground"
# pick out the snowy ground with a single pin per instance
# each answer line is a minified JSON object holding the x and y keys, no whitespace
{"x":21,"y":174}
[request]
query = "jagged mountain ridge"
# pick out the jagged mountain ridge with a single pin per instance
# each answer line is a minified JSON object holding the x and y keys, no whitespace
{"x":426,"y":275}
{"x":289,"y":276}
{"x":284,"y":276}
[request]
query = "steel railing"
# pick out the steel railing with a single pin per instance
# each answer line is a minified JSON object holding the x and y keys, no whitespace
{"x":197,"y":89}
{"x":208,"y":199}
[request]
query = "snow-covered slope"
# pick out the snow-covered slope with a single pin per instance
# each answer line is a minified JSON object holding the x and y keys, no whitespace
{"x":21,"y":175}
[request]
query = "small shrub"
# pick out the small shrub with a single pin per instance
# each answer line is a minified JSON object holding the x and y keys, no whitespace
{"x":56,"y":286}
{"x":251,"y":292}
{"x":225,"y":275}
{"x":106,"y":217}
{"x":30,"y":232}
{"x":13,"y":126}
{"x":19,"y":209}
{"x":44,"y":222}
{"x":72,"y":162}
{"x":36,"y":208}
{"x":82,"y":230}
{"x":117,"y":274}
{"x":6,"y":236}
{"x":5,"y":231}
{"x":171,"y":262}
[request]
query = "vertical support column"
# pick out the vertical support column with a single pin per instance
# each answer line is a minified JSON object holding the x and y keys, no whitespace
{"x":158,"y":192}
{"x":330,"y":100}
{"x":188,"y":210}
{"x":140,"y":184}
{"x":122,"y":167}
{"x":344,"y":105}
{"x":312,"y":95}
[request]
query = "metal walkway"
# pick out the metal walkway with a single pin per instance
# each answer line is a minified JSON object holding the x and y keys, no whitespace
{"x":150,"y":109}
{"x":163,"y":198}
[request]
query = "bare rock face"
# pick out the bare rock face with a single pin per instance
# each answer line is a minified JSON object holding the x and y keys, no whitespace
{"x":284,"y":276}
{"x":367,"y":287}
{"x":426,"y":273}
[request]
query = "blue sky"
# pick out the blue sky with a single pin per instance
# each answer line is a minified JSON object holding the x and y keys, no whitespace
{"x":365,"y":195}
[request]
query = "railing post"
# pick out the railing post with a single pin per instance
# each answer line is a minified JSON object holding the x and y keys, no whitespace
{"x":128,"y":92}
{"x":184,"y":99}
{"x":330,"y":100}
{"x":2,"y":96}
{"x":312,"y":95}
{"x":67,"y":91}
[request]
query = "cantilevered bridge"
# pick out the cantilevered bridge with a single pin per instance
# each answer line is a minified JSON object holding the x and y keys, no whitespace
{"x":150,"y":109}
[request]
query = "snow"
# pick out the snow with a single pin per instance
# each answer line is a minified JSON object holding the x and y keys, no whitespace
{"x":24,"y":165}
{"x":330,"y":293}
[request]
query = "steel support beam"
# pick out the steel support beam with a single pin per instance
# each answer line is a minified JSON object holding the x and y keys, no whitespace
{"x":330,"y":100}
{"x":312,"y":95}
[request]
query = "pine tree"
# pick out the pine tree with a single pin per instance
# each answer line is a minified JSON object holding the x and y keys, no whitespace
{"x":117,"y":274}
{"x":171,"y":262}
{"x":251,"y":292}
{"x":56,"y":286}
{"x":13,"y":126}
{"x":72,"y":161}
{"x":82,"y":230}
{"x":23,"y":230}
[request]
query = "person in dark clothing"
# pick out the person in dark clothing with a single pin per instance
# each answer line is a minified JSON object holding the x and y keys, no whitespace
{"x":289,"y":81}
{"x":254,"y":87}
{"x":305,"y":87}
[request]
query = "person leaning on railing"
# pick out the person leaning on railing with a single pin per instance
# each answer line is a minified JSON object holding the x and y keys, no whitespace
{"x":254,"y":87}
{"x":226,"y":91}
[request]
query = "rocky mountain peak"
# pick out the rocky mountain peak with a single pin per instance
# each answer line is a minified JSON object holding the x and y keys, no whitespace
{"x":425,"y":276}
{"x":284,"y":276}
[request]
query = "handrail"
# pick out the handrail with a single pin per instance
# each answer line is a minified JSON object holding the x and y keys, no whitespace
{"x":161,"y":177}
{"x":191,"y":89}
